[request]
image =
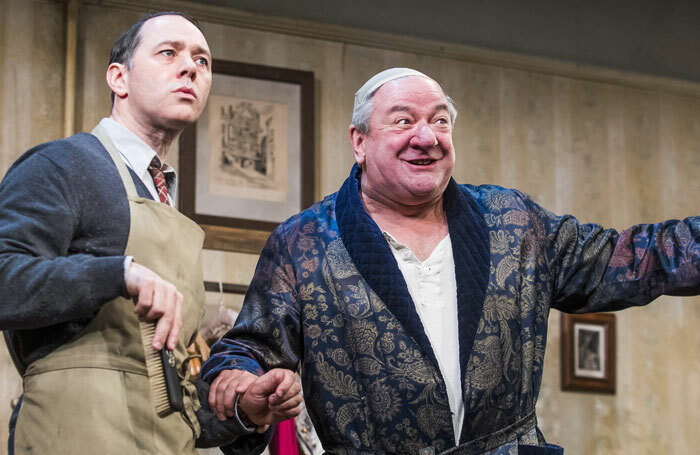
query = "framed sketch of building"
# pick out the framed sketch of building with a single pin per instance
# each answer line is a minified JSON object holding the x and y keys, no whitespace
{"x":247,"y":164}
{"x":588,"y":352}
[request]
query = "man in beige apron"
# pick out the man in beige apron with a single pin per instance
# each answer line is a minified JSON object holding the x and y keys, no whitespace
{"x":90,"y":245}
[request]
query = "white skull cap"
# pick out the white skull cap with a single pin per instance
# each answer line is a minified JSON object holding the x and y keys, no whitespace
{"x":379,"y":79}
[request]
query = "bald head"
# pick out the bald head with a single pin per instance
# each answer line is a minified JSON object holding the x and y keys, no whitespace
{"x":362,"y":108}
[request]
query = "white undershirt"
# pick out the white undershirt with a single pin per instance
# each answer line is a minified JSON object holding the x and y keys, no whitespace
{"x":433,"y":288}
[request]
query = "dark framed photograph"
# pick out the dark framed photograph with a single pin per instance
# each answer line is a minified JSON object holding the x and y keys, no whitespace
{"x":247,"y":164}
{"x":588,"y":352}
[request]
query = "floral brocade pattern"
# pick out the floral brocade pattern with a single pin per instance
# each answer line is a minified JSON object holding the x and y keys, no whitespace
{"x":368,"y":384}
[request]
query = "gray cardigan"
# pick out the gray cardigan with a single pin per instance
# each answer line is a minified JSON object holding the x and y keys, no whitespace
{"x":64,"y":224}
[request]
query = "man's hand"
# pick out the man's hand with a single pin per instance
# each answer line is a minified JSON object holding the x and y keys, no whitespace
{"x":272,"y":398}
{"x":156,"y":299}
{"x":265,"y":400}
{"x":224,"y":389}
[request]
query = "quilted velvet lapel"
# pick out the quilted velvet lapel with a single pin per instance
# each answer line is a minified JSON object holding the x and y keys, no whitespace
{"x":373,"y":258}
{"x":471,"y":251}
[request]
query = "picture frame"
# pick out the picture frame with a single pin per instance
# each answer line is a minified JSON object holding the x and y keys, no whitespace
{"x":588,"y":353}
{"x":247,"y":164}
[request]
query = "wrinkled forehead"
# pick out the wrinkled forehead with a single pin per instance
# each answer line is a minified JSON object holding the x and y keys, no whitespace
{"x":375,"y":82}
{"x":410,"y":95}
{"x":171,"y":28}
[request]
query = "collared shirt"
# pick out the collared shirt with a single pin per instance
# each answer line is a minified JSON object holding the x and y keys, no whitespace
{"x":433,"y":288}
{"x":137,"y":155}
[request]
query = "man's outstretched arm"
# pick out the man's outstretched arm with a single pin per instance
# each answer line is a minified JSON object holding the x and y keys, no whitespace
{"x":596,"y":269}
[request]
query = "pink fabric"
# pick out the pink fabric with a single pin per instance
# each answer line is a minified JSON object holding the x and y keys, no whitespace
{"x":284,"y":442}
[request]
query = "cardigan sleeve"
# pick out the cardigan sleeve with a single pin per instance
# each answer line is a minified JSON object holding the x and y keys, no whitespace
{"x":43,"y":280}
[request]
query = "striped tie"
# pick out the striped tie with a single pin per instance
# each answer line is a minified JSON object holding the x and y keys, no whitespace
{"x":158,"y":179}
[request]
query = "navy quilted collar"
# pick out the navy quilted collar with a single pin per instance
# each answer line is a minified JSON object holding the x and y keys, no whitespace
{"x":373,"y":258}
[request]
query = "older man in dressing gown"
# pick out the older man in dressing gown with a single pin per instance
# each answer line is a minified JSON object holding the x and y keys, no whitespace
{"x":417,"y":307}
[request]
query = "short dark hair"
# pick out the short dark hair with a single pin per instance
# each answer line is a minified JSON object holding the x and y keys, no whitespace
{"x":125,"y":46}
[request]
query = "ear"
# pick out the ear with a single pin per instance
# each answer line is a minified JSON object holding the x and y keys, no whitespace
{"x":118,"y":79}
{"x":357,"y":140}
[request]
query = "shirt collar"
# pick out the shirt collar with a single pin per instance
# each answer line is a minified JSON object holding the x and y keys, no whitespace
{"x":437,"y":256}
{"x":136,"y":153}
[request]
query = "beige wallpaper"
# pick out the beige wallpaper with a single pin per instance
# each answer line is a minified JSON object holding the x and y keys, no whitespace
{"x":609,"y":152}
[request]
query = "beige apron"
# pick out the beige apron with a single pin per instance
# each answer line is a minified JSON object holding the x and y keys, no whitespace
{"x":91,"y":395}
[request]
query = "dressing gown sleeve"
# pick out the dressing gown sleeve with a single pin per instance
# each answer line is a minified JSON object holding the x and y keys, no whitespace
{"x":595,"y":269}
{"x":267,"y":333}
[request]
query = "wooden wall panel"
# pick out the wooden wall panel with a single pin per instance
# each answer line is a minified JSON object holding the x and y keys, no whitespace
{"x":476,"y":136}
{"x":590,"y":165}
{"x":98,"y":28}
{"x":31,"y":112}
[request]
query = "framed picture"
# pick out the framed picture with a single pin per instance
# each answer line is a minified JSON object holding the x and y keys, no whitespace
{"x":247,"y":164}
{"x":588,"y":352}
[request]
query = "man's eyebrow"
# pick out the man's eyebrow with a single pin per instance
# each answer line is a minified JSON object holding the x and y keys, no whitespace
{"x":399,"y":108}
{"x":402,"y":108}
{"x":173,"y":43}
{"x":179,"y":45}
{"x":441,"y":107}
